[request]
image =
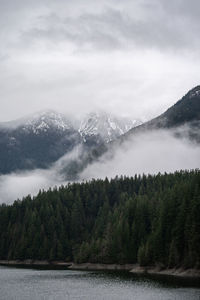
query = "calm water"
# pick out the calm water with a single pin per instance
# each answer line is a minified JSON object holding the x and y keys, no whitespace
{"x":31,"y":284}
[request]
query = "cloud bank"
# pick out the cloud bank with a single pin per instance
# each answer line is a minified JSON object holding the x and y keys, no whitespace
{"x":148,"y":153}
{"x":18,"y":185}
{"x":158,"y":151}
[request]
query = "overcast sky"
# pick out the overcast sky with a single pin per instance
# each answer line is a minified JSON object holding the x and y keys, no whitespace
{"x":130,"y":57}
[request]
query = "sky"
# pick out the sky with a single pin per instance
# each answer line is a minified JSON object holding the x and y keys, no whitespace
{"x":131,"y":58}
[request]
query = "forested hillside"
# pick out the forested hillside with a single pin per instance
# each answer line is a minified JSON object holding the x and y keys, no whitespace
{"x":146,"y":219}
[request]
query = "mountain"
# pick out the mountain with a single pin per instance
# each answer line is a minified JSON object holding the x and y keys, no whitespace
{"x":36,"y":142}
{"x":183,"y":119}
{"x":41,"y":139}
{"x":45,"y":121}
{"x":97,"y":130}
{"x":185,"y":112}
{"x":100,"y":127}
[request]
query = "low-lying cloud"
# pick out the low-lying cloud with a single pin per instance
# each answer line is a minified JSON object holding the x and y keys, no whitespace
{"x":19,"y":184}
{"x":149,"y":153}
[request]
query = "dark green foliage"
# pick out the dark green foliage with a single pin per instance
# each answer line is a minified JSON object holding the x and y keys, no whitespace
{"x":146,"y":219}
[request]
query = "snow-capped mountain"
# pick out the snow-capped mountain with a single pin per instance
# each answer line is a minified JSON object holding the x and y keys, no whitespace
{"x":100,"y":126}
{"x":44,"y":121}
{"x":36,"y":141}
{"x":40,"y":121}
{"x":42,"y":138}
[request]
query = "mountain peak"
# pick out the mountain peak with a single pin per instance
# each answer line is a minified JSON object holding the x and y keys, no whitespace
{"x":44,"y":120}
{"x":105,"y":127}
{"x":194,"y":92}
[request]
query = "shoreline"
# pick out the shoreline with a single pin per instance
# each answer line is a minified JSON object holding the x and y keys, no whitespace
{"x":34,"y":262}
{"x":173,"y":272}
{"x":132,"y":268}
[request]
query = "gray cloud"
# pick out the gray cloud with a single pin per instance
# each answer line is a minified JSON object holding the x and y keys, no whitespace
{"x":164,"y":27}
{"x":107,"y":25}
{"x":135,"y":58}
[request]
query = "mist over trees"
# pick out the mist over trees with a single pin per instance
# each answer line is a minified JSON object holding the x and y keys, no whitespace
{"x":146,"y":219}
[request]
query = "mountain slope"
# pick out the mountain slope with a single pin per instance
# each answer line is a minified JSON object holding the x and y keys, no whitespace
{"x":37,"y":142}
{"x":100,"y":127}
{"x":185,"y":111}
{"x":97,"y":131}
{"x":43,"y":138}
{"x":183,"y":118}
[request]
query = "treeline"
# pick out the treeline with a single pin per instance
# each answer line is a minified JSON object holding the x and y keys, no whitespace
{"x":146,"y":219}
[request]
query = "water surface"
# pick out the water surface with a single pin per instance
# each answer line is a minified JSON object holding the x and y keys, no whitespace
{"x":19,"y":283}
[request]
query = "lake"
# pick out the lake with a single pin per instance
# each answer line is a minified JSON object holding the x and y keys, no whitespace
{"x":23,"y":283}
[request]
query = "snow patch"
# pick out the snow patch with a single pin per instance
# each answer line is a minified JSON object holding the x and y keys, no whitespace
{"x":105,"y":126}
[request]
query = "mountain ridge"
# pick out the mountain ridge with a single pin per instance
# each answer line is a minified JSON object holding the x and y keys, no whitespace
{"x":41,"y":139}
{"x":186,"y":111}
{"x":40,"y":146}
{"x":187,"y":125}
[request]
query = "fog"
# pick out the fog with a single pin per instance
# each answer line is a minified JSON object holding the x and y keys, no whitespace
{"x":20,"y":184}
{"x":149,"y":153}
{"x":17,"y":185}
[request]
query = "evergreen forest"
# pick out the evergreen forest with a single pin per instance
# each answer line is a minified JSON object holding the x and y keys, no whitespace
{"x":145,"y":219}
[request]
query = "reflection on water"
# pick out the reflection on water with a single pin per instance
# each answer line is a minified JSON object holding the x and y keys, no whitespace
{"x":18,"y":283}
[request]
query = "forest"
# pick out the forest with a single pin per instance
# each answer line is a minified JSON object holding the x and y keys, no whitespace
{"x":145,"y":219}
